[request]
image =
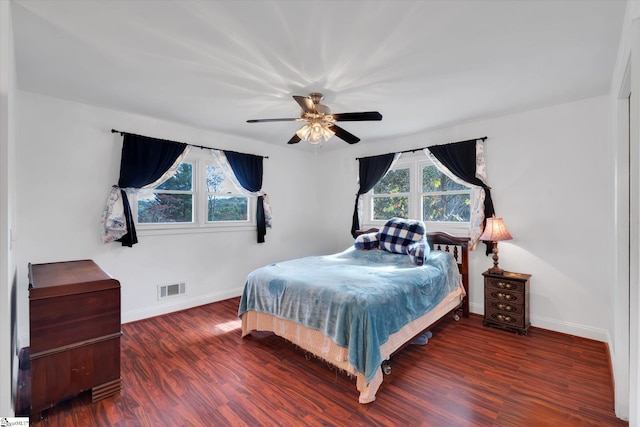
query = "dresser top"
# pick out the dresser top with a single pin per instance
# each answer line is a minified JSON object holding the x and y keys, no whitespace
{"x":68,"y":277}
{"x":507,"y":275}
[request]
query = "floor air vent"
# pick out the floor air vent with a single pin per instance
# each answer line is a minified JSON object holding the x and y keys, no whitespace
{"x":169,"y":291}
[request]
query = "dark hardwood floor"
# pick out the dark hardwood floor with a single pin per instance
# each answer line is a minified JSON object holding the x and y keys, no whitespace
{"x":192,"y":368}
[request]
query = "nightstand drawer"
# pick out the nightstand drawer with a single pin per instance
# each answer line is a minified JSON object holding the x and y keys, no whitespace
{"x":507,"y":319}
{"x":514,"y":298}
{"x":505,"y":285}
{"x":504,"y":306}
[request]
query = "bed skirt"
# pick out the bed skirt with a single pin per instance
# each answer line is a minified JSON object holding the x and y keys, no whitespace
{"x":316,"y":343}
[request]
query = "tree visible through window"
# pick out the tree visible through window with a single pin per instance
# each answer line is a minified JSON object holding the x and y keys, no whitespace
{"x":172,"y":201}
{"x":443,"y":199}
{"x":199,"y":194}
{"x":391,"y":195}
{"x":415,"y":188}
{"x":222,"y":204}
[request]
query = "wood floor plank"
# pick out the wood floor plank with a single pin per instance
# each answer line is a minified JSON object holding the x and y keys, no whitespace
{"x":192,"y":368}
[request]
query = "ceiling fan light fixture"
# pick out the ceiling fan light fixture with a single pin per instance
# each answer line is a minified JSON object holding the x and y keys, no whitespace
{"x":314,"y":132}
{"x":320,"y":122}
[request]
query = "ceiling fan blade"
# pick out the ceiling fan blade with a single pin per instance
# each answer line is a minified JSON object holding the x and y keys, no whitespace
{"x":357,"y":117}
{"x":272,"y":120}
{"x":343,"y":134}
{"x":306,"y":104}
{"x":294,"y":139}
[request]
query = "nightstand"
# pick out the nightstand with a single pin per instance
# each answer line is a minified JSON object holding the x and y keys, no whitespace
{"x":506,"y":301}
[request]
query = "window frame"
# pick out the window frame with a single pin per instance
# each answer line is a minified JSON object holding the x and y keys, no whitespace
{"x":200,"y":159}
{"x":415,"y":162}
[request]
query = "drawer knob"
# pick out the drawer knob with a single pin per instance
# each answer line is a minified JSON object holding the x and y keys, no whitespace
{"x":504,"y":296}
{"x":503,"y":285}
{"x":503,"y":306}
{"x":504,"y":317}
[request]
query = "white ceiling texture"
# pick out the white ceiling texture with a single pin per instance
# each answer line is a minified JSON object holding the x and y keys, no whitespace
{"x":215,"y":64}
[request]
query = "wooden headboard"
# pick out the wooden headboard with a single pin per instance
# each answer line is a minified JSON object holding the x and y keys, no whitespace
{"x":458,"y":246}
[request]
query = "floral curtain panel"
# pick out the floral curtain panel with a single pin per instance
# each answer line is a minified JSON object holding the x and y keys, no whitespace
{"x":371,"y":170}
{"x":464,"y":163}
{"x":146,"y":163}
{"x":245,"y":173}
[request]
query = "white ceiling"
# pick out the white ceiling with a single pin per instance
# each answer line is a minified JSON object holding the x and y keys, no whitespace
{"x":215,"y":64}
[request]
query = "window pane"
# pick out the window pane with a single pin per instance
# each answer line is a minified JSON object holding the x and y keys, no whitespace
{"x":217,"y":182}
{"x":162,"y":207}
{"x":181,"y":181}
{"x":434,"y":180}
{"x":390,"y":207}
{"x":454,"y":207}
{"x":223,"y":208}
{"x":395,"y":181}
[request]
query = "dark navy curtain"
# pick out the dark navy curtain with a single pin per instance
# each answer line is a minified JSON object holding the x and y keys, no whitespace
{"x":144,"y":160}
{"x":248,"y":170}
{"x":372,"y":169}
{"x":460,"y":159}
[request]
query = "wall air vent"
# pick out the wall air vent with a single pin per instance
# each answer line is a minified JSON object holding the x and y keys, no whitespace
{"x":171,"y":291}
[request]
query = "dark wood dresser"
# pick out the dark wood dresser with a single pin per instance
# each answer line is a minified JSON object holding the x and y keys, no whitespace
{"x":506,"y":301}
{"x":74,"y":321}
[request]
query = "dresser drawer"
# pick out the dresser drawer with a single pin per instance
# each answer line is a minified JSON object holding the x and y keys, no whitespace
{"x":514,"y":298}
{"x":504,"y":318}
{"x":62,"y":321}
{"x":505,"y":285}
{"x":507,"y":307}
{"x":63,"y":374}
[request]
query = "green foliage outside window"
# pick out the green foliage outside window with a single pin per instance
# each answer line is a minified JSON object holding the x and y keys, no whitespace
{"x":223,"y":207}
{"x":227,"y":208}
{"x":161,"y":207}
{"x":442,"y":198}
{"x":392,"y":202}
{"x":444,"y":207}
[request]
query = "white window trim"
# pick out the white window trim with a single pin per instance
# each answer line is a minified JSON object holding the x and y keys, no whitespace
{"x":414,"y":162}
{"x":200,"y":159}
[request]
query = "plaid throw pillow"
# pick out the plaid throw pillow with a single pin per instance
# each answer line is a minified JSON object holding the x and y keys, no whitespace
{"x":397,"y":234}
{"x":365,"y":242}
{"x":419,"y":252}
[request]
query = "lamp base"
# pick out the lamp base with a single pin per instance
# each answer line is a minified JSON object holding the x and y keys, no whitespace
{"x":495,"y":270}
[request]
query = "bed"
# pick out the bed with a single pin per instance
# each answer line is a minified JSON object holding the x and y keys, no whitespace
{"x":357,"y":308}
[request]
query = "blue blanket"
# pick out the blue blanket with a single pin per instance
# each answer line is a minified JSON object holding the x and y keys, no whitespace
{"x":357,"y":298}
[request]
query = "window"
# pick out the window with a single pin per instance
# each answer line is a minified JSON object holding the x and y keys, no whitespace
{"x":223,"y":202}
{"x":172,"y":201}
{"x":415,"y":188}
{"x":198,"y":196}
{"x":442,"y":198}
{"x":391,"y":195}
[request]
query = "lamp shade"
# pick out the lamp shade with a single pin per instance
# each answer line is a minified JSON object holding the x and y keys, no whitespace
{"x":495,"y":231}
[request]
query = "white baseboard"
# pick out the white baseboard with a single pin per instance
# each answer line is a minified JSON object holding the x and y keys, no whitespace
{"x":178,"y":304}
{"x":597,"y":334}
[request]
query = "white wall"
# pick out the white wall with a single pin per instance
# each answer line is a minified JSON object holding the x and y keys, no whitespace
{"x":67,"y":162}
{"x":551,"y":176}
{"x":8,"y":88}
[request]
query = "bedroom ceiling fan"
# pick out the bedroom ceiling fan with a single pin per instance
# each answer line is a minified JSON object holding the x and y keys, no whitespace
{"x":320,"y":122}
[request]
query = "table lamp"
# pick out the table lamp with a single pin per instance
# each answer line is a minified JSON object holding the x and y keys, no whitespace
{"x":495,"y":231}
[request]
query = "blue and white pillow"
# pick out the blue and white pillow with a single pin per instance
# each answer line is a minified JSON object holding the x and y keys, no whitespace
{"x":397,"y":234}
{"x":419,"y":252}
{"x":365,"y":242}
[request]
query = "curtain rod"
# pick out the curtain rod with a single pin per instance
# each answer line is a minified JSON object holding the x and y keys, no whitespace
{"x":484,"y":138}
{"x":191,"y":145}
